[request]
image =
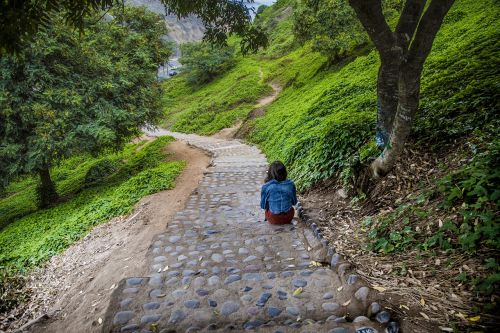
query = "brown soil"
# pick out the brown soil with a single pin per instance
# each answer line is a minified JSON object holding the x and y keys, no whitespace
{"x":74,"y":287}
{"x":423,"y":292}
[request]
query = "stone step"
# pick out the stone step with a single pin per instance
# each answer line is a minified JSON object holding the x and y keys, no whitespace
{"x":220,"y":267}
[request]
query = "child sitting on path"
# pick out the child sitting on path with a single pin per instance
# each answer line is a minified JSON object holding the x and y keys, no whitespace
{"x":278,"y":195}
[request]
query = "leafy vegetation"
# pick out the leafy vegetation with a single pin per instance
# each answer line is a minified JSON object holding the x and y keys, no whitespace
{"x":202,"y":62}
{"x":210,"y":108}
{"x":66,"y":94}
{"x":99,"y":188}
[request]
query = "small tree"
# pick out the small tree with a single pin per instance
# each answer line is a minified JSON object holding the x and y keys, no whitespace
{"x":402,"y":54}
{"x":203,"y":62}
{"x":65,"y":94}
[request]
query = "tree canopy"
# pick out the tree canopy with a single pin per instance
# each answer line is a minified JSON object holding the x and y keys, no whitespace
{"x":65,"y":94}
{"x":203,"y":62}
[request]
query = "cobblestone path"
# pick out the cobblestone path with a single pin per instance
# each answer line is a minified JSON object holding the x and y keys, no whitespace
{"x":219,"y":267}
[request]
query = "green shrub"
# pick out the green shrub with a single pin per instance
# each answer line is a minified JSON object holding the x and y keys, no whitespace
{"x":202,"y":62}
{"x":142,"y":170}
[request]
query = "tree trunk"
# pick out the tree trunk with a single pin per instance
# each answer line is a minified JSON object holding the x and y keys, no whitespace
{"x":408,"y":96}
{"x":387,"y":97}
{"x":47,"y":193}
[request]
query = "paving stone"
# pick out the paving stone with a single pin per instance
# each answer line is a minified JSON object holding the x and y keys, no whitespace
{"x":129,"y":328}
{"x":299,"y":283}
{"x":232,"y":278}
{"x":229,"y":307}
{"x":213,"y":280}
{"x":361,"y":294}
{"x":328,"y":295}
{"x":330,"y":306}
{"x":177,"y":316}
{"x":273,"y":312}
{"x":149,"y":319}
{"x":134,"y":281}
{"x":212,"y":303}
{"x":217,"y":257}
{"x":383,"y":317}
{"x":192,"y":304}
{"x":151,"y":306}
{"x":292,"y":310}
{"x":123,"y":317}
{"x":264,"y":297}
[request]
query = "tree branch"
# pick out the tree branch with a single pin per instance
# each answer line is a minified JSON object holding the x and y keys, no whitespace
{"x":370,"y":14}
{"x":408,"y":21}
{"x":426,"y":32}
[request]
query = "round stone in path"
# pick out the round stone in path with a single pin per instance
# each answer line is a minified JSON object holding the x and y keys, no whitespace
{"x":217,"y":257}
{"x":150,"y":318}
{"x":177,"y":316}
{"x":229,"y":307}
{"x":299,"y":283}
{"x":292,"y":310}
{"x":273,"y":312}
{"x":123,"y":317}
{"x":232,"y":278}
{"x":213,"y":280}
{"x":328,"y":295}
{"x":192,"y":304}
{"x":330,"y":306}
{"x":151,"y":306}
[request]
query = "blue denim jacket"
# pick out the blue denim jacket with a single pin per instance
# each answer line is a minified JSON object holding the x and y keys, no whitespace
{"x":277,"y":196}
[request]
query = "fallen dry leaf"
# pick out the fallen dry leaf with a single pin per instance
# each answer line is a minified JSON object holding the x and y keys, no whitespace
{"x":298,"y":291}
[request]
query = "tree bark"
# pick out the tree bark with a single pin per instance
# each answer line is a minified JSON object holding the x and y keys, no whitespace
{"x":47,"y":191}
{"x":409,"y":83}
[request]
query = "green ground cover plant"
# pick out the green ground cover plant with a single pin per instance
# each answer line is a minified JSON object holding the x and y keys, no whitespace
{"x":96,"y":189}
{"x":209,"y":108}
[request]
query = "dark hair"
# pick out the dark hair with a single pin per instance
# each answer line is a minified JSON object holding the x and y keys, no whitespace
{"x":277,"y":170}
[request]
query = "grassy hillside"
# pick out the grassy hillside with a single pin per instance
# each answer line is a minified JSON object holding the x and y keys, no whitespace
{"x":96,"y":189}
{"x":326,"y":116}
{"x":210,"y":108}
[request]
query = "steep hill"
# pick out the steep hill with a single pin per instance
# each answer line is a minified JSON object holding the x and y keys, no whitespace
{"x":437,"y":212}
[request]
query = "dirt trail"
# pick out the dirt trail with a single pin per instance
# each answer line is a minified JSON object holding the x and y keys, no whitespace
{"x":259,"y":109}
{"x":75,"y":286}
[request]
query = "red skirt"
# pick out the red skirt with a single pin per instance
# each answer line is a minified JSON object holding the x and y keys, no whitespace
{"x":284,"y":218}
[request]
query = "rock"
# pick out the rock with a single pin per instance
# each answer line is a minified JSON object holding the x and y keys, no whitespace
{"x":150,"y":318}
{"x":212,"y":303}
{"x":243,"y":251}
{"x":362,"y":294}
{"x":351,"y":279}
{"x":246,"y":289}
{"x":249,"y":258}
{"x":253,"y":276}
{"x":264,"y":297}
{"x":217,"y":257}
{"x":129,"y":328}
{"x":151,"y":306}
{"x":274,"y":312}
{"x":335,"y":260}
{"x":177,"y":316}
{"x":271,"y":275}
{"x":282,"y":295}
{"x":229,"y":307}
{"x":123,"y":317}
{"x":383,"y":317}
{"x":328,"y":295}
{"x":292,"y":310}
{"x":299,"y":283}
{"x":134,"y":281}
{"x":338,"y":330}
{"x":330,"y":307}
{"x":192,"y":304}
{"x":246,"y":298}
{"x":373,"y":309}
{"x":360,"y":319}
{"x":392,"y":327}
{"x":201,"y":292}
{"x":232,"y":278}
{"x":213,"y":280}
{"x":252,"y":324}
{"x":287,"y":274}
